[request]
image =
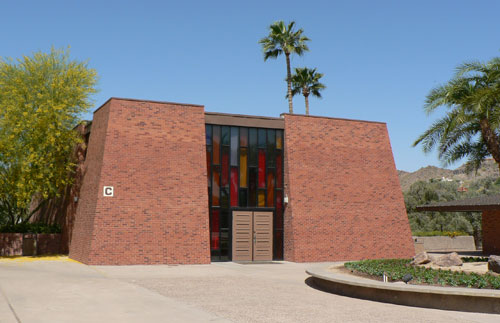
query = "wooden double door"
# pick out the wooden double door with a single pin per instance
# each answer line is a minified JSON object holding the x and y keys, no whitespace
{"x":252,"y":236}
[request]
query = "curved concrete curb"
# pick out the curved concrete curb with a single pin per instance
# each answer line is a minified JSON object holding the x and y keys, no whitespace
{"x":446,"y":298}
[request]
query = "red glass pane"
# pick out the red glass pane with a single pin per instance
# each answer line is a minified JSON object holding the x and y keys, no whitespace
{"x":209,"y":169}
{"x":262,"y":168}
{"x":234,"y":186}
{"x":215,"y":188}
{"x":243,"y":137}
{"x":225,"y":167}
{"x":214,"y":231}
{"x":278,"y":245}
{"x":216,"y":144}
{"x":279,"y":171}
{"x":270,"y":188}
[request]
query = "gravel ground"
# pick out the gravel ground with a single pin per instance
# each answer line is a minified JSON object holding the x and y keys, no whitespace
{"x":271,"y":293}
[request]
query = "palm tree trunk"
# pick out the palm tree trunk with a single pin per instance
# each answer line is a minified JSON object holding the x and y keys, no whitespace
{"x":491,"y":140}
{"x":289,"y":82}
{"x":306,"y":97}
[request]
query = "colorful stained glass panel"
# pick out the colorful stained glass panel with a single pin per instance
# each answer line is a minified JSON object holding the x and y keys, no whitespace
{"x":261,"y":198}
{"x":243,"y":167}
{"x":234,"y":186}
{"x":279,"y":171}
{"x":243,"y":137}
{"x":215,"y":187}
{"x":270,"y":188}
{"x":279,"y":139}
{"x":225,"y":166}
{"x":214,"y":240}
{"x":262,"y":168}
{"x":216,"y":145}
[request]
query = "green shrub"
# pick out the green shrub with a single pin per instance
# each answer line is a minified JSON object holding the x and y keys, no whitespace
{"x":475,"y":259}
{"x":395,"y":269}
{"x":440,"y":233}
{"x":30,"y":228}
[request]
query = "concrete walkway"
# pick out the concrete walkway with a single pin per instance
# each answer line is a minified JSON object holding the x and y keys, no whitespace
{"x":61,"y":291}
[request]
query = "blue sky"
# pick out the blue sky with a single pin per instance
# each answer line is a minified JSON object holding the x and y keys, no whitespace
{"x":380,"y":58}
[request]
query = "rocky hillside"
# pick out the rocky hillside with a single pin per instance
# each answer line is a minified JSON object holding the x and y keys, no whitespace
{"x":488,"y":169}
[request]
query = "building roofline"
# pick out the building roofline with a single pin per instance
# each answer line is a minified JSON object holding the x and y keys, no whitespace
{"x":474,"y":204}
{"x":244,"y":120}
{"x":333,"y":118}
{"x":149,"y":101}
{"x":242,"y":116}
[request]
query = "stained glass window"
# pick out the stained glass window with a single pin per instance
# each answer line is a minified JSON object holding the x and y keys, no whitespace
{"x":215,"y":187}
{"x":234,"y":146}
{"x":245,"y":170}
{"x":216,"y":145}
{"x":214,"y":232}
{"x":252,"y":145}
{"x":234,"y":186}
{"x":270,"y":188}
{"x":279,"y":171}
{"x":225,"y":166}
{"x":243,"y":167}
{"x":243,"y":137}
{"x":252,"y":196}
{"x":262,"y":168}
{"x":261,"y":198}
{"x":279,"y":140}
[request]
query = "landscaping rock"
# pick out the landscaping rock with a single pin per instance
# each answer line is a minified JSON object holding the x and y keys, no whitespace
{"x":494,"y":264}
{"x":448,"y":260}
{"x":421,"y":258}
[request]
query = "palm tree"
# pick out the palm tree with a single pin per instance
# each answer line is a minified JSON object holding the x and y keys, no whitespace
{"x":306,"y":80}
{"x":284,"y":39}
{"x":471,"y":126}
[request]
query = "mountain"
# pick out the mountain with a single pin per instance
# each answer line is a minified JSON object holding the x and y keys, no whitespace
{"x":488,"y":169}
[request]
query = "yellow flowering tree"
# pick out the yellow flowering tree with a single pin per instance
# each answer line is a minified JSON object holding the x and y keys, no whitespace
{"x":42,"y":98}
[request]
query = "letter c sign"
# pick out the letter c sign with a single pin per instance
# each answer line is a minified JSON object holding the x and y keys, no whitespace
{"x":108,"y":191}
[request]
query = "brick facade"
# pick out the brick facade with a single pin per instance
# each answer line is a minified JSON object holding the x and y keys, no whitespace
{"x":29,"y":244}
{"x":153,"y":154}
{"x":491,"y":232}
{"x":345,"y":200}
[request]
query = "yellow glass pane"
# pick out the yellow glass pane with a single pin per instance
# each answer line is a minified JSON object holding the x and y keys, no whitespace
{"x":243,"y":167}
{"x":262,"y":198}
{"x":279,"y":140}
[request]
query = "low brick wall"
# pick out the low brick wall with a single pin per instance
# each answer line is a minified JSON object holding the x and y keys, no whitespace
{"x":28,"y":244}
{"x":441,"y":244}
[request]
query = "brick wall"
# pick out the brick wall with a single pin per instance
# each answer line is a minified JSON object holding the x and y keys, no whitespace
{"x":11,"y":244}
{"x":19,"y":244}
{"x":153,"y":154}
{"x":83,"y":228}
{"x":491,"y":232}
{"x":345,"y":200}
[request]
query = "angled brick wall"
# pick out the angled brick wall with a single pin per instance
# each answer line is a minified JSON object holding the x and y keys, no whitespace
{"x":345,"y":200}
{"x":153,"y":154}
{"x":491,"y":232}
{"x":83,"y":225}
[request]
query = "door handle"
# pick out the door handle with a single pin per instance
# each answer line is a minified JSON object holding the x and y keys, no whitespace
{"x":254,"y":238}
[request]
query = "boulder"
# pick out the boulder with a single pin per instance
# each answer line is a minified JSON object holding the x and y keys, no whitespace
{"x":421,"y":258}
{"x":494,"y":264}
{"x":448,"y":260}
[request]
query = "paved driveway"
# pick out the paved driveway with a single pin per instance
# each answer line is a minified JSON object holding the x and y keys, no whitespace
{"x":62,"y":291}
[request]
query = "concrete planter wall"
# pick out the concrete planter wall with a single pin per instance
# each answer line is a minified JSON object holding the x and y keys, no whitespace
{"x":441,"y":244}
{"x":29,"y":244}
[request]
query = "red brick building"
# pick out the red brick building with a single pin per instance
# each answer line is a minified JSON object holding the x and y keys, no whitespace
{"x":168,"y":183}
